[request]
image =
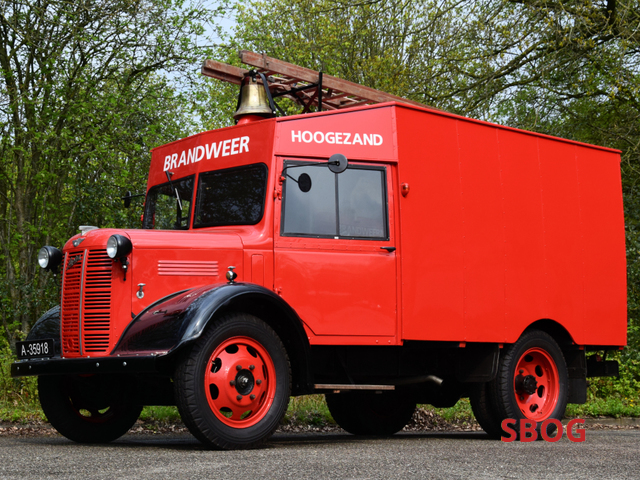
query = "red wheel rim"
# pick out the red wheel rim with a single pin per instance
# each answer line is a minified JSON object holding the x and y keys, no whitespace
{"x":536,"y":384}
{"x":240,"y":382}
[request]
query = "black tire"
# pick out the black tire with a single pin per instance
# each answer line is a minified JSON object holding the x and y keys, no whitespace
{"x":215,"y":413}
{"x":484,"y":411}
{"x":547,"y":370}
{"x":87,"y":409}
{"x":371,"y":413}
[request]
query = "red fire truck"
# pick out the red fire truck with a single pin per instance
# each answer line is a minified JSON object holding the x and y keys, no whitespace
{"x":385,"y":255}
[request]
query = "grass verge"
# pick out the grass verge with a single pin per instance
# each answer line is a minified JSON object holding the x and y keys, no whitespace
{"x":605,"y":407}
{"x":312,"y":410}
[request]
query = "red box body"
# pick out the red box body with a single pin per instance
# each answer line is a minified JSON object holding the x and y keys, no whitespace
{"x":499,"y":228}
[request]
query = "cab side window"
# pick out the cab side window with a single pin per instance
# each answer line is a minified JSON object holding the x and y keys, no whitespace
{"x":351,"y":204}
{"x":362,"y":206}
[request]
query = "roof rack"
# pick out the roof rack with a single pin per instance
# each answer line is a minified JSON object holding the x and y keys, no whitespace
{"x":303,"y":85}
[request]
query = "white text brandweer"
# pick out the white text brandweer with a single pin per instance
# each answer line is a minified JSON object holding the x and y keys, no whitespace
{"x":232,"y":146}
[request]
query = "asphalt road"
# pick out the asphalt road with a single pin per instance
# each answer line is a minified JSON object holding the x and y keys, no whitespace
{"x":606,"y":454}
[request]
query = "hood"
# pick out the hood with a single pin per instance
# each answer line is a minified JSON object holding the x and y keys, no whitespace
{"x":159,"y":239}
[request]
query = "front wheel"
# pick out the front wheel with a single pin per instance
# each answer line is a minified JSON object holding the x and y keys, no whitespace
{"x":232,"y":388}
{"x":371,"y":413}
{"x":87,"y":409}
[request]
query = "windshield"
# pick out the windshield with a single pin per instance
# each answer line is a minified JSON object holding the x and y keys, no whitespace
{"x":234,"y":196}
{"x":164,"y":211}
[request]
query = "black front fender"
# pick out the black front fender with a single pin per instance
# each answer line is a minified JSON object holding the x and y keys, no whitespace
{"x":48,"y":326}
{"x":166,"y":326}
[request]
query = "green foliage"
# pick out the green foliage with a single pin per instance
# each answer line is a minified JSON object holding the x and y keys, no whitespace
{"x":460,"y":412}
{"x":162,"y":415}
{"x":631,"y":355}
{"x":605,"y":407}
{"x":624,"y":388}
{"x":308,"y":410}
{"x":88,"y":88}
{"x":18,"y":396}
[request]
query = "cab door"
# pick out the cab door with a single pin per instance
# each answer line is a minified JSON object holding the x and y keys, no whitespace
{"x":335,"y":258}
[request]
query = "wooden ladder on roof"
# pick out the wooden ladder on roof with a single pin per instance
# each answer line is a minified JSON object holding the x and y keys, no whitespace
{"x":302,"y":85}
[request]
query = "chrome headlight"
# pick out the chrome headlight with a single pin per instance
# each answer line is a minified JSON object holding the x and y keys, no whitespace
{"x":49,"y":258}
{"x":118,"y":246}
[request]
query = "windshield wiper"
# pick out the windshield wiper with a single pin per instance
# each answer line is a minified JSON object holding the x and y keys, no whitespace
{"x":169,"y":174}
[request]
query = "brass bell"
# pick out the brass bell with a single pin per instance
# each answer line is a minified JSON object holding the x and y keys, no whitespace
{"x":253,"y":100}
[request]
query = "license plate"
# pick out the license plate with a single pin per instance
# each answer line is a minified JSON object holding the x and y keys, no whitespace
{"x":35,"y":349}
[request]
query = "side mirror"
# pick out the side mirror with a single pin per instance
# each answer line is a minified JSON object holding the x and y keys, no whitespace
{"x":338,"y":163}
{"x":127,"y":198}
{"x":304,"y":182}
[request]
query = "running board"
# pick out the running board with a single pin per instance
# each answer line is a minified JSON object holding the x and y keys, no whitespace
{"x":335,"y":388}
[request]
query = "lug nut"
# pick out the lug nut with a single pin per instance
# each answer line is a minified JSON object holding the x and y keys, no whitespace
{"x":251,"y":367}
{"x":258,"y":382}
{"x":238,"y":367}
{"x":232,"y":383}
{"x":239,"y":397}
{"x":252,"y":397}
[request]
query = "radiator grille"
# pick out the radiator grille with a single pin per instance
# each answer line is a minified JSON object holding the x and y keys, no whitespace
{"x":86,"y":303}
{"x":70,"y":308}
{"x":96,"y":311}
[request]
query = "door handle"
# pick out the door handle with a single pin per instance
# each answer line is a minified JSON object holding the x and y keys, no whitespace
{"x":388,"y":249}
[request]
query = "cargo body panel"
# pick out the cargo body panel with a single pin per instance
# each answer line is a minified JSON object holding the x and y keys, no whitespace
{"x":502,"y":228}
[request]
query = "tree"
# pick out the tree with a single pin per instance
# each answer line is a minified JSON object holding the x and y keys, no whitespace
{"x":562,"y":67}
{"x":87,"y":88}
{"x":491,"y":60}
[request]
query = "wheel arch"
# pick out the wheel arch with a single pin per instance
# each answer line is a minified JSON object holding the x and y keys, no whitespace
{"x":559,"y":333}
{"x":574,"y":355}
{"x":285,"y":322}
{"x":173,"y":325}
{"x":48,"y":326}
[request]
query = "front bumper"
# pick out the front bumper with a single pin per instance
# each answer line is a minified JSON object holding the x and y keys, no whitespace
{"x":79,"y":366}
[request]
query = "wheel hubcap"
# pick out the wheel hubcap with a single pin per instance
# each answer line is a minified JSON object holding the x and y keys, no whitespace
{"x":536,"y":384}
{"x":240,"y":382}
{"x":244,"y":382}
{"x":527,"y":384}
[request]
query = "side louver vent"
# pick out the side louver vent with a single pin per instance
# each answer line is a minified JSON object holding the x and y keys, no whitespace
{"x":187,"y":267}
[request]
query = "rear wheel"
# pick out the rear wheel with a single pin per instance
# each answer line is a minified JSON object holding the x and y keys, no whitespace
{"x":233,"y":387}
{"x":485,"y":411}
{"x":371,"y":413}
{"x":87,"y":409}
{"x":532,"y":382}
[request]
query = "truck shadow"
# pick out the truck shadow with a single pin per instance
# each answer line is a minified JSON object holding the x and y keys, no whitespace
{"x":183,"y":441}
